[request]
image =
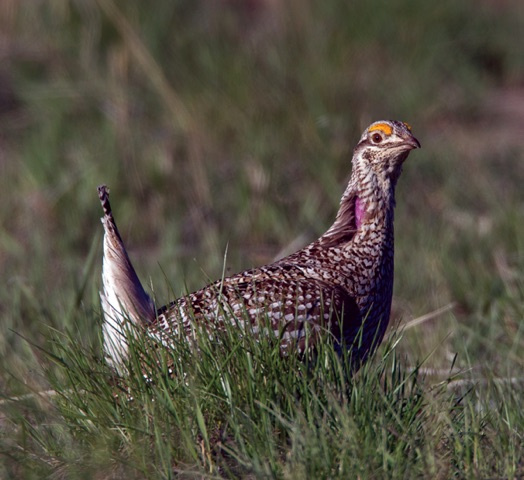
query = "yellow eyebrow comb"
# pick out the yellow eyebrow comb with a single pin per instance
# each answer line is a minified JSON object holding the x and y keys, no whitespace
{"x":383,"y":127}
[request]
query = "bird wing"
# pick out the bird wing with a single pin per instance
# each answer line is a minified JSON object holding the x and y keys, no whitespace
{"x":345,"y":225}
{"x":277,"y":299}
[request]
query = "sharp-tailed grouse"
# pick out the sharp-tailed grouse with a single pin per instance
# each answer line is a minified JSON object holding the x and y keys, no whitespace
{"x":338,"y":286}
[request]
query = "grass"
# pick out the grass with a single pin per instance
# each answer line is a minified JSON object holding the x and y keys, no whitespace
{"x":234,"y":409}
{"x":232,"y":128}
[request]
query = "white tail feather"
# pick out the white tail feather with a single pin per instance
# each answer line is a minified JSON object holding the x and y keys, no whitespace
{"x":125,"y":303}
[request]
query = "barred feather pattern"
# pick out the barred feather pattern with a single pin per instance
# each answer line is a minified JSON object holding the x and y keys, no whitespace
{"x":339,"y":286}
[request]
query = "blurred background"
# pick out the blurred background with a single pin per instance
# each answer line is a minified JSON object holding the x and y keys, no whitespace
{"x":229,"y":125}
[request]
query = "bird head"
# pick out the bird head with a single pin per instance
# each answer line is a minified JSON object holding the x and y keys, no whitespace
{"x":383,"y":147}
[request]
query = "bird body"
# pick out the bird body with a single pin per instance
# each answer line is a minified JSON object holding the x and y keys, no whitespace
{"x":339,"y":286}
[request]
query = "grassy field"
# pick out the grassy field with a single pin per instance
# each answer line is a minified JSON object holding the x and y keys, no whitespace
{"x":230,"y":126}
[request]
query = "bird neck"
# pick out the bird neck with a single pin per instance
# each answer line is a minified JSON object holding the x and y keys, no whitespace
{"x":367,"y":205}
{"x":373,"y":199}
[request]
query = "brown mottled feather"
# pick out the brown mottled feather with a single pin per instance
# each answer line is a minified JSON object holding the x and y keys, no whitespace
{"x":338,"y":286}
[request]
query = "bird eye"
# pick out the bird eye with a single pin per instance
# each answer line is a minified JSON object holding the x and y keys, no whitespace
{"x":376,"y":137}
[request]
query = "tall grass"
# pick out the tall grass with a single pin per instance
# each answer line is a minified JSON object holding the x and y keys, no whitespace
{"x":233,"y":407}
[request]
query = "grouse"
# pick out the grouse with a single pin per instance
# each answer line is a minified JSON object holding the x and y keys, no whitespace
{"x":340,"y":286}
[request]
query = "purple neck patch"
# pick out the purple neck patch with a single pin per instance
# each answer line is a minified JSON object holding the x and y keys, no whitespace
{"x":359,"y":212}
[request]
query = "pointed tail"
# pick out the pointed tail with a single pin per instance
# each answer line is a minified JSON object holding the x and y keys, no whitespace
{"x":123,"y":298}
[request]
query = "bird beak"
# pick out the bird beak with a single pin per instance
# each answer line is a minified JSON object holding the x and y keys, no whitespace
{"x":412,"y":142}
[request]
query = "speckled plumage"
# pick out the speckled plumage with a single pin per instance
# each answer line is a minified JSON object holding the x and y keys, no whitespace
{"x":339,"y":286}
